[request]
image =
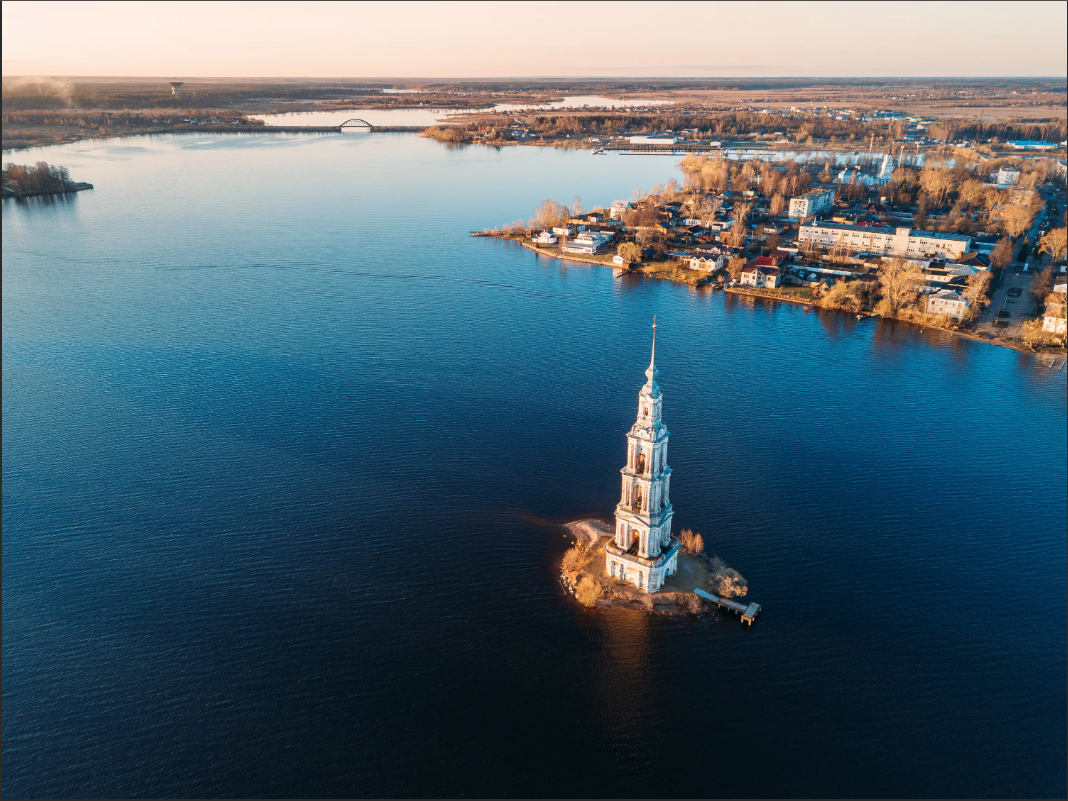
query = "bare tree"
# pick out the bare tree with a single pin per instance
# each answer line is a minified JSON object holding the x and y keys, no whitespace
{"x":971,"y":193}
{"x":1002,"y":253}
{"x":630,"y":252}
{"x":1055,"y":243}
{"x":1016,"y":219}
{"x":777,"y":205}
{"x":978,"y":292}
{"x":936,"y":182}
{"x":900,"y":281}
{"x":549,"y":213}
{"x":691,"y":541}
{"x":735,"y":266}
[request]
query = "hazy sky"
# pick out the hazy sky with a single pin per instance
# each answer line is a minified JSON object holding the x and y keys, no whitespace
{"x":498,"y":39}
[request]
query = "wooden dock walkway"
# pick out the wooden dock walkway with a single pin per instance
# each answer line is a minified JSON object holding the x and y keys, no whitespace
{"x":748,"y":612}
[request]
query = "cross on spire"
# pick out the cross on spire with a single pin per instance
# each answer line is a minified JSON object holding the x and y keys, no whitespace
{"x":652,"y":371}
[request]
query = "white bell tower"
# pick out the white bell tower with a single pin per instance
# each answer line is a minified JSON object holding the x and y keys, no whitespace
{"x":643,"y":552}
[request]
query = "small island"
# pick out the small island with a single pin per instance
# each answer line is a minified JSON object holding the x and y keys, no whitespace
{"x":41,"y":179}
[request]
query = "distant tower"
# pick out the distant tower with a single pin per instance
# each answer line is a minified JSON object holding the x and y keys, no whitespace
{"x":643,"y":552}
{"x":887,"y":172}
{"x":176,"y":87}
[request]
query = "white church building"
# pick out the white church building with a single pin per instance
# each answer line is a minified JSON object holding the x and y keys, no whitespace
{"x":643,"y":552}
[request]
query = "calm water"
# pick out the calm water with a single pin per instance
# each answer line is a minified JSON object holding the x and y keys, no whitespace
{"x":283,"y":449}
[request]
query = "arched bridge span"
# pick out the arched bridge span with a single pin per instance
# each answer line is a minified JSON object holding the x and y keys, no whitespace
{"x":355,"y":126}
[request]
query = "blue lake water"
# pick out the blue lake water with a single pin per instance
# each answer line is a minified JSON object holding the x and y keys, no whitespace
{"x":284,"y":450}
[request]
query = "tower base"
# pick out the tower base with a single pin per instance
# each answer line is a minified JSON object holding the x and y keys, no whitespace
{"x":645,"y":573}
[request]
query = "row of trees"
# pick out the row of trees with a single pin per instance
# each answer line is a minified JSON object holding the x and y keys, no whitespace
{"x":40,"y":178}
{"x":716,"y":174}
{"x":898,"y":292}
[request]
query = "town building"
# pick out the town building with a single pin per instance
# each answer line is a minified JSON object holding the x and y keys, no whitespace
{"x":619,"y":208}
{"x":546,"y":238}
{"x":587,"y":242}
{"x":761,"y":272}
{"x":707,"y":261}
{"x":948,"y":302}
{"x":654,"y":139}
{"x":643,"y":552}
{"x":811,"y":204}
{"x":884,"y":240}
{"x":1053,"y":321}
{"x":1008,"y":176}
{"x":1030,"y":144}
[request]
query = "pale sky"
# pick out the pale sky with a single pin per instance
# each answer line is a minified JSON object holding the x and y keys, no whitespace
{"x":539,"y":39}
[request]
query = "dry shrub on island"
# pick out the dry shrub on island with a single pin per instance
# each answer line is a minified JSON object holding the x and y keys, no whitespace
{"x":573,"y":560}
{"x":587,"y":591}
{"x":691,"y":541}
{"x":726,"y":582}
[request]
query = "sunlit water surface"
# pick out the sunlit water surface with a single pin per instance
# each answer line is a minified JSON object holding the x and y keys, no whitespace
{"x":284,"y":446}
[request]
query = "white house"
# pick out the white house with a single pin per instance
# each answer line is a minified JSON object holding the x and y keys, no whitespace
{"x":546,"y":238}
{"x":1053,"y":321}
{"x":563,"y":230}
{"x":760,"y":276}
{"x":948,"y":302}
{"x":618,"y":209}
{"x":587,"y":242}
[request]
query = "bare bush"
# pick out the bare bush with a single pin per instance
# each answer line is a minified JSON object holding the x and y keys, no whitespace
{"x":573,"y":560}
{"x":725,"y":581}
{"x":587,"y":591}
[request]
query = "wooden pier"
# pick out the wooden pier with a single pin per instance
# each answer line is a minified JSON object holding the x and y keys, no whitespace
{"x":748,"y":612}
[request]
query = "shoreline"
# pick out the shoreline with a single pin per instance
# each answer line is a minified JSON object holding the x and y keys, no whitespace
{"x":215,"y":129}
{"x":79,"y":186}
{"x":1011,"y":344}
{"x":590,"y":536}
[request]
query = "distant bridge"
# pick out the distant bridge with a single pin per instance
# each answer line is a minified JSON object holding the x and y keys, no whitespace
{"x":355,"y":126}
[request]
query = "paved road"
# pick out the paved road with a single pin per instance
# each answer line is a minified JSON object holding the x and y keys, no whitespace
{"x":1022,"y":308}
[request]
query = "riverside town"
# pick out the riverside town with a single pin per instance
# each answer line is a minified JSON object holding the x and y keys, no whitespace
{"x":959,"y":238}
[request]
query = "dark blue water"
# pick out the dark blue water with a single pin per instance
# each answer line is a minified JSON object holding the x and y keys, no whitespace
{"x":282,"y":452}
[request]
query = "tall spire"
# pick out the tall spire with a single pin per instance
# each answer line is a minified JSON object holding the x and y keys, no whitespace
{"x":652,"y":372}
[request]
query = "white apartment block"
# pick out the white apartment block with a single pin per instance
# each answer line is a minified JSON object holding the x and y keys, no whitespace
{"x":884,"y":240}
{"x":812,"y":203}
{"x":1008,"y":176}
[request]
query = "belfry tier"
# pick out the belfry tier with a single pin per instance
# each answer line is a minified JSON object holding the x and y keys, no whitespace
{"x":643,"y":515}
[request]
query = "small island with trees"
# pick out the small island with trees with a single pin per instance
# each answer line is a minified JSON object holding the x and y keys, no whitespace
{"x":582,"y":573}
{"x":40,"y":179}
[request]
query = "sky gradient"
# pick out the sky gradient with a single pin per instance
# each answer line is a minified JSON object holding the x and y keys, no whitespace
{"x":569,"y":39}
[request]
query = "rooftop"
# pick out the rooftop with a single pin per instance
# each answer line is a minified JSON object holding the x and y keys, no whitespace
{"x":889,"y":229}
